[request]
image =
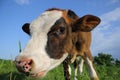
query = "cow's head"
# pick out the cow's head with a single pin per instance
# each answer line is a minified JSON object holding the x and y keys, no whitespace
{"x":51,"y":40}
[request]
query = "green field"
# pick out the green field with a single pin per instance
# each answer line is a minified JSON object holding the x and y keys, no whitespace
{"x":9,"y":72}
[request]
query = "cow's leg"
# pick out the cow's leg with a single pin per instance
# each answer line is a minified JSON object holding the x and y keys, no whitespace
{"x":76,"y":69}
{"x":89,"y":62}
{"x":67,"y":69}
{"x":80,"y":66}
{"x":73,"y":58}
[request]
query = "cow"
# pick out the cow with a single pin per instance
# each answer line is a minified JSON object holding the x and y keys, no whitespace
{"x":54,"y":35}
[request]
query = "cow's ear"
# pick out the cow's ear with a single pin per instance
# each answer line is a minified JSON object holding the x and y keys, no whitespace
{"x":71,"y":14}
{"x":86,"y":23}
{"x":25,"y":28}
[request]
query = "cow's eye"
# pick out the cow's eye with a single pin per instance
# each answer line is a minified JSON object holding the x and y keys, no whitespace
{"x":60,"y":31}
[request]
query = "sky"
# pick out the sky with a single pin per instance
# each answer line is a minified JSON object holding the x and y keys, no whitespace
{"x":14,"y":13}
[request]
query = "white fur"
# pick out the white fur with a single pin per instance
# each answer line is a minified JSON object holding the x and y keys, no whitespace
{"x":35,"y":48}
{"x":55,"y":63}
{"x":44,"y":22}
{"x":75,"y":74}
{"x":69,"y":69}
{"x":91,"y":69}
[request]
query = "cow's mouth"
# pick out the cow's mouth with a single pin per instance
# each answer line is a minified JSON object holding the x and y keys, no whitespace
{"x":39,"y":74}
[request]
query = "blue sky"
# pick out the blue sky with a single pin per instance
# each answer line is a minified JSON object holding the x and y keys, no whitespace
{"x":14,"y":13}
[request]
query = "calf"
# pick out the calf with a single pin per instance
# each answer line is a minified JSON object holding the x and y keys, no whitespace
{"x":55,"y":34}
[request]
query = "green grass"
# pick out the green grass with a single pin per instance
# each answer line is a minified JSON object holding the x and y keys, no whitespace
{"x":9,"y":72}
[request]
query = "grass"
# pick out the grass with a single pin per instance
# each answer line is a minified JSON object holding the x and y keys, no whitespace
{"x":9,"y":72}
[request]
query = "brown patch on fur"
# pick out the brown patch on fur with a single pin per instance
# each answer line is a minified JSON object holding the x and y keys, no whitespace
{"x":58,"y":38}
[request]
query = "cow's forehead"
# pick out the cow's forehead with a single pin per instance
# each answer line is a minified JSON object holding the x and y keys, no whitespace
{"x":45,"y":21}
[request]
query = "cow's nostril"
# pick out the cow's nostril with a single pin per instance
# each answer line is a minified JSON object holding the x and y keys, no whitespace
{"x":30,"y":62}
{"x":26,"y":67}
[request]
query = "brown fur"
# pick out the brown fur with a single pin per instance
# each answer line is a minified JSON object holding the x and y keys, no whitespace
{"x":80,"y":40}
{"x":79,"y":35}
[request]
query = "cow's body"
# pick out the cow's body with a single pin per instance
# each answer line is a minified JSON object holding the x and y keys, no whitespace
{"x":54,"y":35}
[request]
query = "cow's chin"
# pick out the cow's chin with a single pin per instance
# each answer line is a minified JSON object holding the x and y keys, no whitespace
{"x":39,"y":74}
{"x":49,"y":66}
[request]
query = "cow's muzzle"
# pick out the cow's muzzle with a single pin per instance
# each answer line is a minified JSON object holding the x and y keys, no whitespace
{"x":24,"y":65}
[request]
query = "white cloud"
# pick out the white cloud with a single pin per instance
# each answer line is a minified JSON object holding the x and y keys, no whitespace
{"x":22,"y":2}
{"x":110,"y":17}
{"x":108,"y":43}
{"x":114,"y":1}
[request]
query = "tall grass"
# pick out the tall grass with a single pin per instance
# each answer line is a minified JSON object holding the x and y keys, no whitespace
{"x":9,"y":72}
{"x":19,"y":45}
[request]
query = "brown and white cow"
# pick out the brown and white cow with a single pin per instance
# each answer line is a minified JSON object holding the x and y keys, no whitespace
{"x":55,"y":34}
